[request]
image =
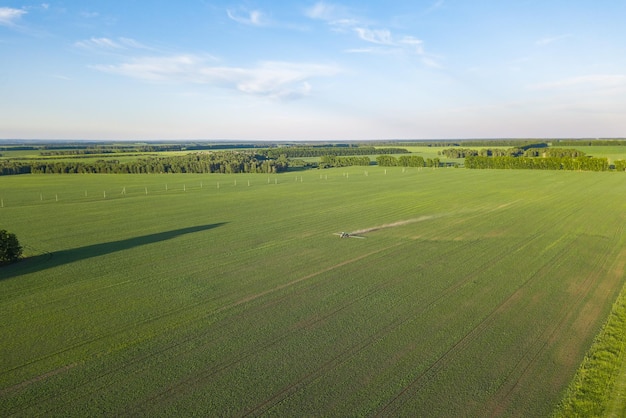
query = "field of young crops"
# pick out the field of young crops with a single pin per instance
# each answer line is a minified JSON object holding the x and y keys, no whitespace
{"x":475,"y":293}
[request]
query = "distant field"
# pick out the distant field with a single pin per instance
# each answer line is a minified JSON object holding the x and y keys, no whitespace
{"x":475,"y":293}
{"x":123,"y":157}
{"x":612,"y":153}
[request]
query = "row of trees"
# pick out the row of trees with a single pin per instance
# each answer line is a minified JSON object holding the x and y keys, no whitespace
{"x":511,"y":152}
{"x":334,"y":161}
{"x":590,"y":142}
{"x":406,"y":161}
{"x":548,"y":163}
{"x":66,"y":150}
{"x":554,"y":152}
{"x":219,"y":162}
{"x":299,"y":152}
{"x":485,"y":152}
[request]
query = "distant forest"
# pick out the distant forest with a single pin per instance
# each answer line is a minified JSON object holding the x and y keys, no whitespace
{"x":250,"y":158}
{"x":547,"y":163}
{"x":222,"y":162}
{"x":271,"y":160}
{"x":532,"y":158}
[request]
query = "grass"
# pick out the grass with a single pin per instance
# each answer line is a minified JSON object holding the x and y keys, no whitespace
{"x":611,"y":152}
{"x":599,"y":387}
{"x":194,"y":299}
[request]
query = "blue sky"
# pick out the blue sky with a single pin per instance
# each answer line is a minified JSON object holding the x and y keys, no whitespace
{"x":312,"y":70}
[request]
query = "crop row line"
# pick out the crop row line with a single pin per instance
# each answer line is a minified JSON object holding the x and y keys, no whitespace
{"x":550,"y":334}
{"x":259,"y":348}
{"x":349,"y":352}
{"x":138,"y":360}
{"x":422,"y":378}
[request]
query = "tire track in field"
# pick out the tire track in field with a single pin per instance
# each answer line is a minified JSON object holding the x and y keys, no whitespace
{"x":38,"y":378}
{"x":394,"y":224}
{"x":173,"y":312}
{"x":174,"y":389}
{"x":349,"y":352}
{"x":301,"y":279}
{"x":307,"y":324}
{"x":129,"y":327}
{"x":138,"y":360}
{"x":23,"y":384}
{"x":502,"y":398}
{"x":127,"y":365}
{"x":178,"y":343}
{"x":429,"y":373}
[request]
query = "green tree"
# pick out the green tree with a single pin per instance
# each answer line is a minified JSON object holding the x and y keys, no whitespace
{"x":10,"y":248}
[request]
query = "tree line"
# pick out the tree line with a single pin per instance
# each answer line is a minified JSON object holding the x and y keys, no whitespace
{"x":511,"y":152}
{"x":122,"y":149}
{"x":485,"y":152}
{"x":590,"y":142}
{"x":327,"y":161}
{"x":548,"y":163}
{"x":298,"y":152}
{"x":407,"y":161}
{"x":219,"y":162}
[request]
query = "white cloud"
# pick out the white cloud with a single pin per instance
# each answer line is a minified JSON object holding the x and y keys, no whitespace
{"x":253,"y":18}
{"x":336,"y":16}
{"x":323,"y":11}
{"x":109,"y":44}
{"x":93,"y":43}
{"x":417,"y":44}
{"x":376,"y":36}
{"x":9,"y":16}
{"x":372,"y":50}
{"x":339,"y":19}
{"x":281,"y":80}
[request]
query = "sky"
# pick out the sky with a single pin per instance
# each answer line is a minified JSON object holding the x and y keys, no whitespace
{"x":312,"y":70}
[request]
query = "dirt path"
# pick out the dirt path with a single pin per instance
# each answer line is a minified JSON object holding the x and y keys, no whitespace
{"x":394,"y":224}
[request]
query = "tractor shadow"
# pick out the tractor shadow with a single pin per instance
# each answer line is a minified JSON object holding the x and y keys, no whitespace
{"x":58,"y":258}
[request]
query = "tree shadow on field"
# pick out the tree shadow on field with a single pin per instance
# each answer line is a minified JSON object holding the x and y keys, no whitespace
{"x":58,"y":258}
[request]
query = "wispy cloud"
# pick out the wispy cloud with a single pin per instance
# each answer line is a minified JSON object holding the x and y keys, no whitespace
{"x":10,"y":16}
{"x":341,"y":20}
{"x":436,"y":5}
{"x":274,"y":79}
{"x":376,"y":36}
{"x":551,"y":39}
{"x":248,"y":17}
{"x":415,"y":43}
{"x":371,"y":50}
{"x":338,"y":17}
{"x":386,"y":43}
{"x":109,"y":44}
{"x":324,"y":11}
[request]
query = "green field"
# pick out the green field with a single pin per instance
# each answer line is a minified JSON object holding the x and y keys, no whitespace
{"x":475,"y":293}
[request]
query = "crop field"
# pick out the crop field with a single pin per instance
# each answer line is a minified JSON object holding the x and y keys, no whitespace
{"x":474,"y":293}
{"x":611,"y":152}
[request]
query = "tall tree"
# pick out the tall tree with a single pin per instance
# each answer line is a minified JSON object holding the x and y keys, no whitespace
{"x":10,"y":248}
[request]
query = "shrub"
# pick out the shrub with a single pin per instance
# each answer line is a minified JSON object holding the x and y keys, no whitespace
{"x":10,"y":248}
